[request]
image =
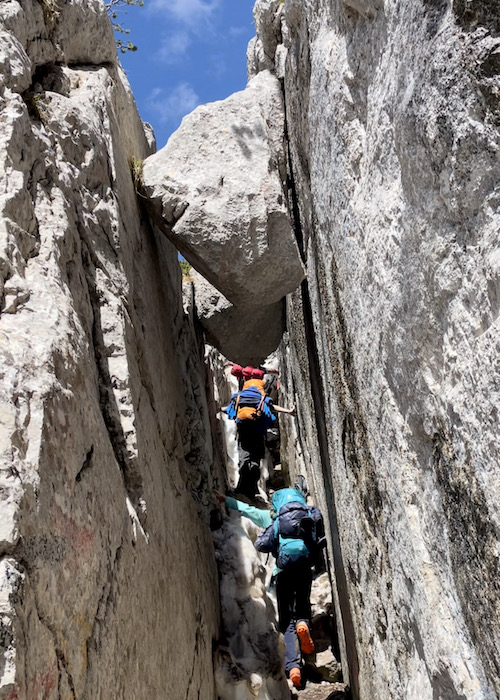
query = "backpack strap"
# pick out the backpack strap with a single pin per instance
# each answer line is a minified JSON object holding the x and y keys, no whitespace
{"x":232,"y":408}
{"x":261,"y":404}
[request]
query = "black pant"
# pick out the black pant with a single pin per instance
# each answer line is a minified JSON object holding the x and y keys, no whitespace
{"x":293,"y":593}
{"x":251,"y":449}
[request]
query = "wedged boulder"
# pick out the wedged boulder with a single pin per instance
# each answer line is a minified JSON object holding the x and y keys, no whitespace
{"x":246,"y":335}
{"x":216,"y":189}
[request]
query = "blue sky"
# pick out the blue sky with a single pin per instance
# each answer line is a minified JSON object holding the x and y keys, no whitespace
{"x":189,"y":52}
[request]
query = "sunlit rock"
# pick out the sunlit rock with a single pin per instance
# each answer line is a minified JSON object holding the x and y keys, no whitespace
{"x":246,"y":335}
{"x":393,"y":126}
{"x":217,"y":190}
{"x":250,"y":665}
{"x":106,"y":448}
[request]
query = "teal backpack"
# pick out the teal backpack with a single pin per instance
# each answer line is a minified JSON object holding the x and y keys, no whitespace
{"x":297,"y":534}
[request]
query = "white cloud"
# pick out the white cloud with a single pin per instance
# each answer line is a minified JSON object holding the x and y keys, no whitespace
{"x":173,"y":105}
{"x":237,"y":31}
{"x":217,"y":67}
{"x":174,"y":46}
{"x":194,"y":13}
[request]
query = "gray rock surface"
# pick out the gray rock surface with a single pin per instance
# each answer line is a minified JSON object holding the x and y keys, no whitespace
{"x":366,"y":8}
{"x":76,"y":31}
{"x":244,"y":335}
{"x":250,"y":665}
{"x":262,"y":48}
{"x":393,"y":344}
{"x":108,"y":582}
{"x":109,"y":445}
{"x":217,"y":190}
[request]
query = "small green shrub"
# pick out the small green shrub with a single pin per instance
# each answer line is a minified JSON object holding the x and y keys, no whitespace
{"x":185,"y":268}
{"x":136,"y":170}
{"x":36,"y":106}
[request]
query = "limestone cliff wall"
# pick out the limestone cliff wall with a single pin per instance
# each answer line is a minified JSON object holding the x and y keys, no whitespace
{"x":392,"y":346}
{"x":108,"y":582}
{"x":109,"y":444}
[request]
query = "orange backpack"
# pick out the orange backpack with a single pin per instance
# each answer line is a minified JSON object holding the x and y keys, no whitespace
{"x":253,"y":409}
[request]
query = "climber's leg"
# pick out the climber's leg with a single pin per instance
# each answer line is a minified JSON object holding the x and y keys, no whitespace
{"x":303,"y":582}
{"x":285,"y":595}
{"x":248,"y":479}
{"x":251,"y":451}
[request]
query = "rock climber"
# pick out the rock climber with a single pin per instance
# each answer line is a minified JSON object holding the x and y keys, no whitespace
{"x":254,"y":412}
{"x":294,"y":535}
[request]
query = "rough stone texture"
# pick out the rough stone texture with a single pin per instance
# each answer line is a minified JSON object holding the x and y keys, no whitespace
{"x":262,"y":48}
{"x":108,"y":582}
{"x":108,"y":446}
{"x":74,"y":31}
{"x":393,"y":342}
{"x":324,"y":691}
{"x":244,"y":335}
{"x":366,"y":8}
{"x":323,"y":664}
{"x":250,"y":664}
{"x":216,"y":189}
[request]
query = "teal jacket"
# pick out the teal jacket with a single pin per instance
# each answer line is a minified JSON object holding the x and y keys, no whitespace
{"x":262,"y":518}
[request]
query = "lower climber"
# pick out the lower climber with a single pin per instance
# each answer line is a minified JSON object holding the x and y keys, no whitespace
{"x":294,"y":535}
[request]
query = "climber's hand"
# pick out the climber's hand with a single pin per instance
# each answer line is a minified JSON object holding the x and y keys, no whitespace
{"x":219,"y":496}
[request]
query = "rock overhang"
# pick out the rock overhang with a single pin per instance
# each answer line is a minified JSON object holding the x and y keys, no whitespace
{"x":217,"y":189}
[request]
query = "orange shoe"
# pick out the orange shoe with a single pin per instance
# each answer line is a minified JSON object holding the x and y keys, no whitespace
{"x":296,"y":677}
{"x":305,"y":639}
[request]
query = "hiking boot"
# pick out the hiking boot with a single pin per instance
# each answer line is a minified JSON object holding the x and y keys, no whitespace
{"x":305,"y":639}
{"x":296,"y":677}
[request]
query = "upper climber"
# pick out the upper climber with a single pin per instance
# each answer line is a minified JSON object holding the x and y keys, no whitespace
{"x":254,"y":413}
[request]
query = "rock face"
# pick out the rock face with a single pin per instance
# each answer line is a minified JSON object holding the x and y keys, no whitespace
{"x":106,"y":446}
{"x":392,"y":345}
{"x":217,"y":189}
{"x":109,"y":444}
{"x":244,"y":335}
{"x":250,"y":664}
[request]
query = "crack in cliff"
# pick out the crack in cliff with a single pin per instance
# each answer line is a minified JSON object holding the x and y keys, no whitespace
{"x":473,"y":548}
{"x":107,"y":400}
{"x":317,"y":392}
{"x":102,"y":609}
{"x":62,"y":662}
{"x":197,"y":644}
{"x":87,"y":464}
